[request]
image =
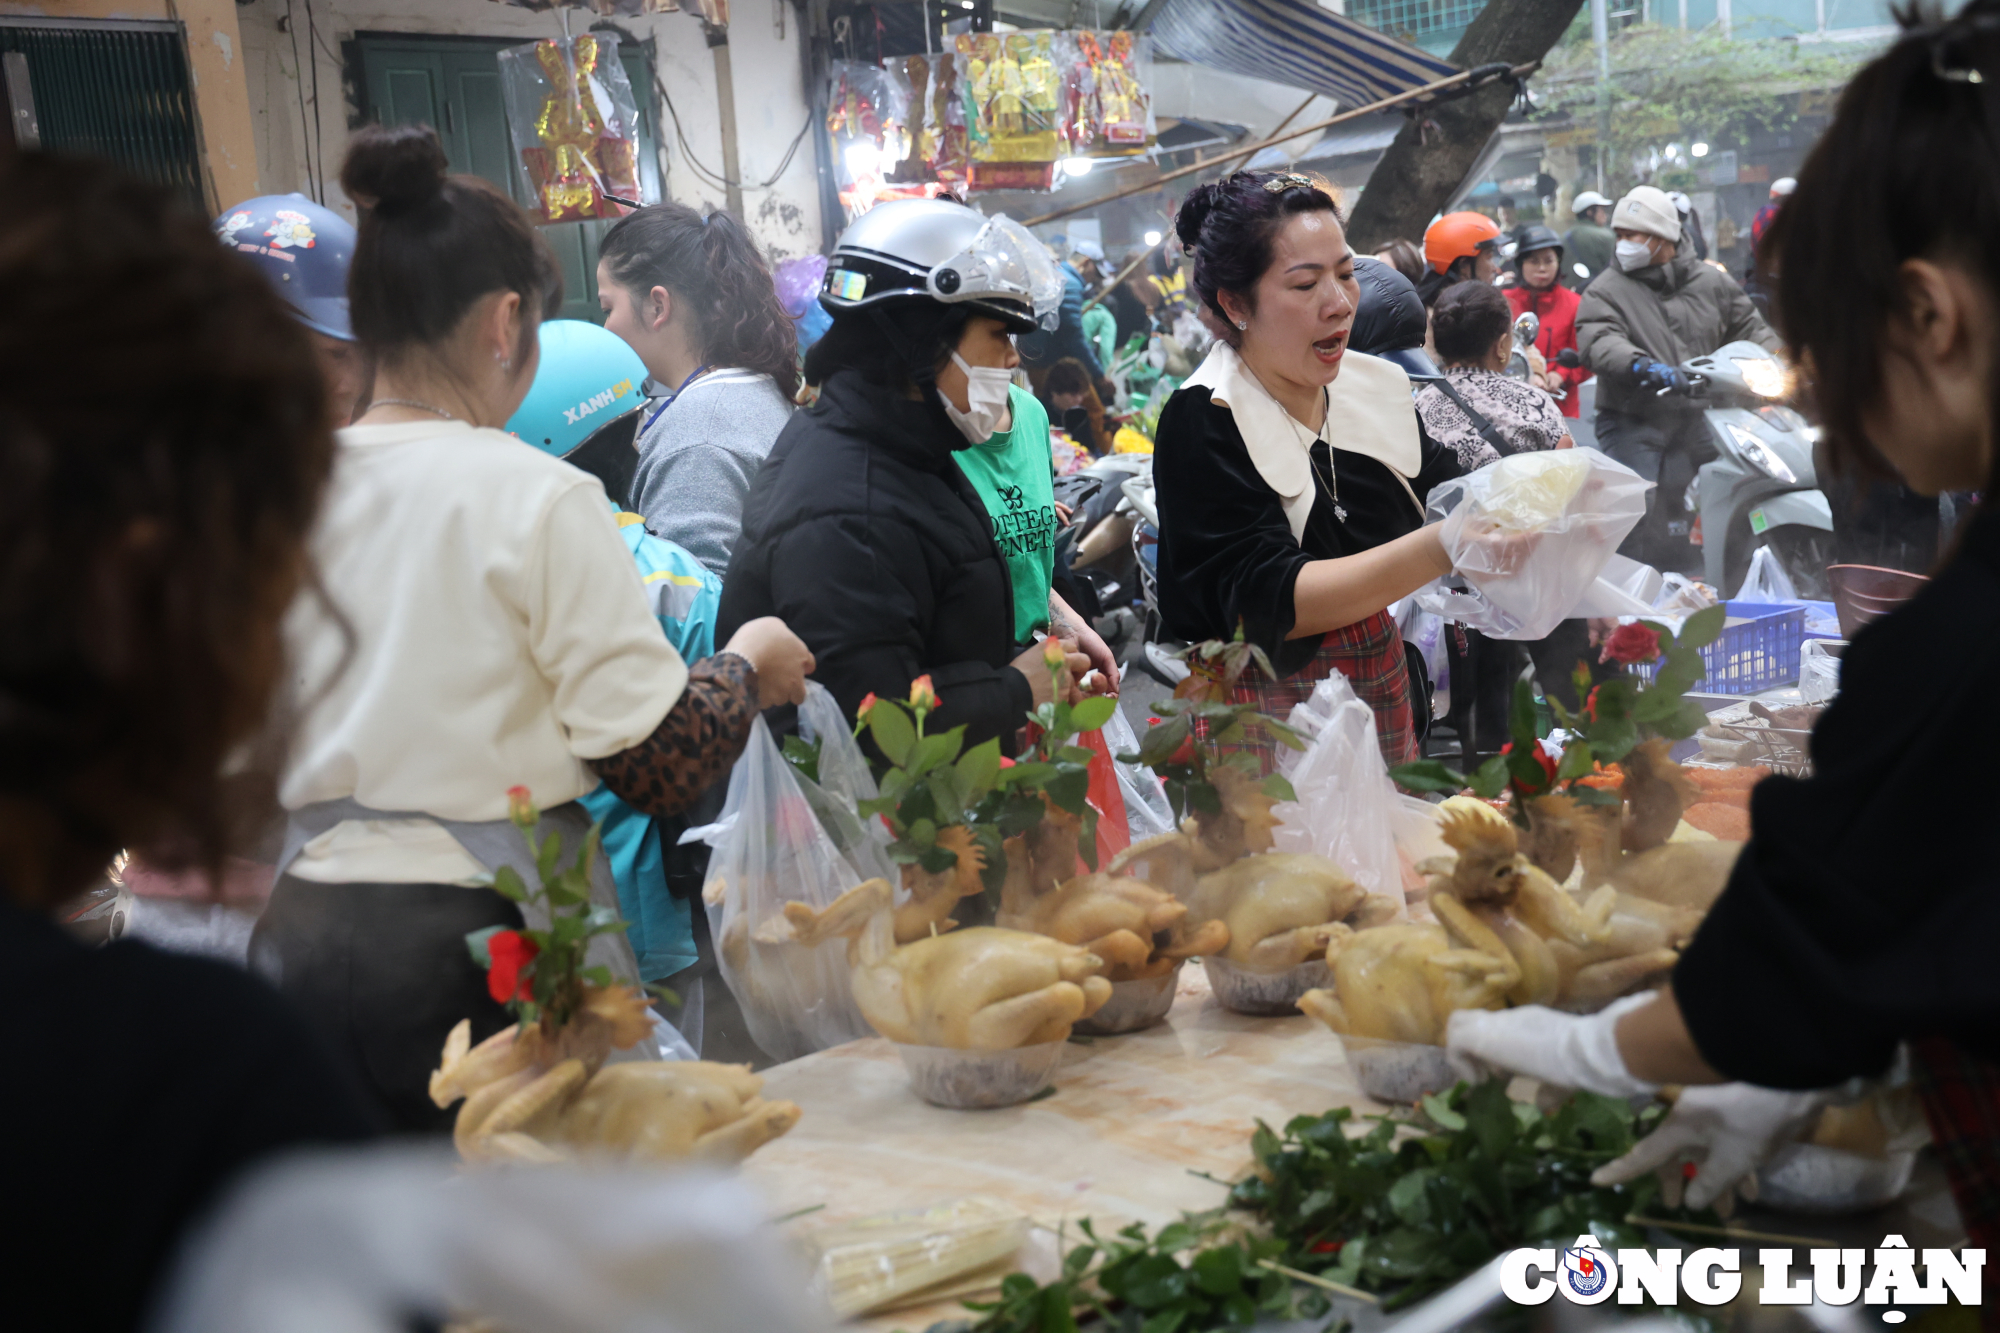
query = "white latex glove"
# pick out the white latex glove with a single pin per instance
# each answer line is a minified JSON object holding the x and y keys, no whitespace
{"x":1727,"y":1131}
{"x":1574,"y":1050}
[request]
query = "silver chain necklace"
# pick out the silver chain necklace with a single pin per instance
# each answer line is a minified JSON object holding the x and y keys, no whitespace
{"x":1312,"y":438}
{"x":411,"y":402}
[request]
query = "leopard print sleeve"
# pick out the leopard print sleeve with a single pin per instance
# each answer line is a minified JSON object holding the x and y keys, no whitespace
{"x":695,"y":743}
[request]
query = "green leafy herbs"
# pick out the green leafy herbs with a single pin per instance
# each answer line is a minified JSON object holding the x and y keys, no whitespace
{"x":540,"y":973}
{"x":1410,"y":1205}
{"x":1199,"y":1273}
{"x":1617,"y":715}
{"x":1185,"y":760}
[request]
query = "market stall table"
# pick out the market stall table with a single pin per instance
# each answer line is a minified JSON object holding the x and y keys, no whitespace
{"x":1134,"y":1127}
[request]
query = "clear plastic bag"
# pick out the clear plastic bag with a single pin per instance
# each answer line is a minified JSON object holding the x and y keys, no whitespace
{"x":1766,"y":580}
{"x":876,"y":1264}
{"x":845,"y":781}
{"x":1346,"y":809}
{"x":1147,"y":813}
{"x":1528,"y":536}
{"x":772,"y":849}
{"x":1819,"y":670}
{"x":575,"y":126}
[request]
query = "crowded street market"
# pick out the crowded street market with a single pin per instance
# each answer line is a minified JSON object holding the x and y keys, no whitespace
{"x":950,"y":666}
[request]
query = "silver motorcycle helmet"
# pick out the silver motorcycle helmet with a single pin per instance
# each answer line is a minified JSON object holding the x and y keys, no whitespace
{"x":939,"y":250}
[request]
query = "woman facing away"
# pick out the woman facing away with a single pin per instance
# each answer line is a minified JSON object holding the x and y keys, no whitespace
{"x":489,"y":630}
{"x":693,"y":298}
{"x":1841,"y":936}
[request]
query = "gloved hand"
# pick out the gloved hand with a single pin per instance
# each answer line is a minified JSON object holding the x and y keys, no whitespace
{"x":1726,"y":1131}
{"x":1574,"y":1050}
{"x":1659,"y":376}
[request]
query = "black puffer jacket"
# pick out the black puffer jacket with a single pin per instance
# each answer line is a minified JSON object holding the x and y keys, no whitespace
{"x":862,"y":534}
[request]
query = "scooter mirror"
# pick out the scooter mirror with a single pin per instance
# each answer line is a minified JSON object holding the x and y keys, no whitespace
{"x":1526,"y":327}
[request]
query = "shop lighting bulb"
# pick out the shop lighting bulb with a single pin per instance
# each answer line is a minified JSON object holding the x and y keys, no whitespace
{"x":1077,"y":166}
{"x":1699,"y":150}
{"x":1152,"y":238}
{"x":863,"y":160}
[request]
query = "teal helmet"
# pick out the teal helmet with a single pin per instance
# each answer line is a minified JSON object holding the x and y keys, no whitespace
{"x":588,"y":378}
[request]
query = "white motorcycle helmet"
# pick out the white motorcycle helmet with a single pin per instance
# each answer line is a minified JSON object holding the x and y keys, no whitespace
{"x":943,"y":251}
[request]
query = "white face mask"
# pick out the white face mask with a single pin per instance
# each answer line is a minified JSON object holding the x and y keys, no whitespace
{"x":986,"y":398}
{"x":1634,"y":254}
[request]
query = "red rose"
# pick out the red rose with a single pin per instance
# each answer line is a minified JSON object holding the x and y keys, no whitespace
{"x":1329,"y":1247}
{"x":520,"y":805}
{"x":923,"y":694}
{"x":1631,"y":643}
{"x":511,"y":952}
{"x":1184,"y":755}
{"x":868,"y":702}
{"x":1541,"y":757}
{"x":1005,"y":762}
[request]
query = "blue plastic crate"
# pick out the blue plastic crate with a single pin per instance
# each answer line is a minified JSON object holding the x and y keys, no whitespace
{"x":1762,"y":653}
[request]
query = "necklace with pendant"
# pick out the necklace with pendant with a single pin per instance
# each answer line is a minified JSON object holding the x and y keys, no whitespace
{"x":1324,"y":474}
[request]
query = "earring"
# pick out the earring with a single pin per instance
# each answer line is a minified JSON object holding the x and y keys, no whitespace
{"x":506,"y":362}
{"x":1242,"y":324}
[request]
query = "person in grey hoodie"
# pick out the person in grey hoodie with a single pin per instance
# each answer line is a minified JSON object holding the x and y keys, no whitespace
{"x":694,"y":299}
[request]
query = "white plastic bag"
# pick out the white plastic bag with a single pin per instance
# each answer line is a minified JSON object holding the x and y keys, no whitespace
{"x":1624,"y":588}
{"x":1147,"y":813}
{"x":771,"y":849}
{"x":844,"y":782}
{"x":1527,"y":536}
{"x":1346,"y":809}
{"x":1819,"y":670}
{"x":1766,"y":580}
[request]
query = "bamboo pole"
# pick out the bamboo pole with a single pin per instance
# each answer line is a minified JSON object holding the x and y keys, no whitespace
{"x":1518,"y":71}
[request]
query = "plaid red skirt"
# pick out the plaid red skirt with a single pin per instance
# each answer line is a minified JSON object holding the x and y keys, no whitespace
{"x":1370,"y":654}
{"x":1961,"y":1096}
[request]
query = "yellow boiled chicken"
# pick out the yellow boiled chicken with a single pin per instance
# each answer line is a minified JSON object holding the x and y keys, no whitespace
{"x":538,"y":1096}
{"x":1242,"y":827}
{"x":1283,"y":909}
{"x":1656,"y":791}
{"x":980,"y":989}
{"x":1402,"y":981}
{"x":1136,"y":929}
{"x":1165,"y":861}
{"x":1678,"y":874}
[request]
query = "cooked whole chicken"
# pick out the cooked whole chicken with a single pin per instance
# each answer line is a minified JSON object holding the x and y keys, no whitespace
{"x":979,"y":989}
{"x":1402,"y":981}
{"x":539,"y":1097}
{"x":1283,"y":909}
{"x":1136,"y":929}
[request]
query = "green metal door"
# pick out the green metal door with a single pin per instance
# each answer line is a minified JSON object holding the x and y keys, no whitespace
{"x":454,"y":86}
{"x":117,"y":89}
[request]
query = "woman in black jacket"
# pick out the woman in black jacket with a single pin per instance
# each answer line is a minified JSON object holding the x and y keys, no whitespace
{"x":861,"y":525}
{"x":1862,"y":913}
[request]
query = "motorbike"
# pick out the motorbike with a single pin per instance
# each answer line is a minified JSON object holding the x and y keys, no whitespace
{"x":1761,"y":488}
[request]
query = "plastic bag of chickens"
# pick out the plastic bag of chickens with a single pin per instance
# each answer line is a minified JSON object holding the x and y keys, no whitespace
{"x":1347,"y":807}
{"x":1528,"y":536}
{"x":772,"y":849}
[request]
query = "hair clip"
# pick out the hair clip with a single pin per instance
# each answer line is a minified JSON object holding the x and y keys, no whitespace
{"x":1290,"y":180}
{"x":1948,"y":35}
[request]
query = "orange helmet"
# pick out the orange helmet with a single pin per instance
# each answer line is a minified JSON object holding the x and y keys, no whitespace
{"x":1458,"y":236}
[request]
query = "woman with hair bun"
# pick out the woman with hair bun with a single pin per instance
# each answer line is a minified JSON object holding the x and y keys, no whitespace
{"x":481,"y":628}
{"x":1844,"y":939}
{"x":1291,"y":471}
{"x":693,"y":297}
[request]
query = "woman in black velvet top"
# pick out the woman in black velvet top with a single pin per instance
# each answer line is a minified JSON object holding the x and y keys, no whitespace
{"x":1291,"y":471}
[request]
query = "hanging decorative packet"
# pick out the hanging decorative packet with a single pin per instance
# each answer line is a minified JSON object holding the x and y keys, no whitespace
{"x":574,"y":123}
{"x":1109,"y":108}
{"x":1013,"y":96}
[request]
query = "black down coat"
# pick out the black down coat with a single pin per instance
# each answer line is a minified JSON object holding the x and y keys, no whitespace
{"x":862,"y":535}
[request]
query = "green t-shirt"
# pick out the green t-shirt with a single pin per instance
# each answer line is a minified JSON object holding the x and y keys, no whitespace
{"x":1014,"y":475}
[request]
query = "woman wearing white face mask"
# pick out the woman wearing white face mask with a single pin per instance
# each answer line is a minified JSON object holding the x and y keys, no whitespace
{"x":895,"y":517}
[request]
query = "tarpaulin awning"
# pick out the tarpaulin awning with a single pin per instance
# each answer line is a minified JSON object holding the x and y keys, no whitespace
{"x":1296,"y":42}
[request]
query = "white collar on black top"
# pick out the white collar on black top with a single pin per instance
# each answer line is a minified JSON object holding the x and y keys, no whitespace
{"x":1369,"y":412}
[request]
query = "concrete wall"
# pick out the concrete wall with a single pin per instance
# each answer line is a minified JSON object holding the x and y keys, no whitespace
{"x":216,"y":64}
{"x":770,"y":102}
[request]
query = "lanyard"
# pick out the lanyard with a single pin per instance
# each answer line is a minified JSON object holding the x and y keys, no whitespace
{"x":693,"y":375}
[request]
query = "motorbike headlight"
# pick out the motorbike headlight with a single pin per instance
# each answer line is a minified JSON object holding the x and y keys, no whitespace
{"x":1761,"y":456}
{"x":1764,"y":375}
